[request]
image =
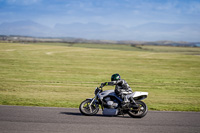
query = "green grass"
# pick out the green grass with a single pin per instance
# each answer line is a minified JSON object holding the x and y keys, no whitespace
{"x":170,"y":49}
{"x":62,"y":75}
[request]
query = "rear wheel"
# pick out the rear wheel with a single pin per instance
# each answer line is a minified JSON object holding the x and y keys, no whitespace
{"x":85,"y":109}
{"x":139,"y":112}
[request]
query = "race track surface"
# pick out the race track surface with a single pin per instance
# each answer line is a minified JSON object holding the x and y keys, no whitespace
{"x":19,"y":119}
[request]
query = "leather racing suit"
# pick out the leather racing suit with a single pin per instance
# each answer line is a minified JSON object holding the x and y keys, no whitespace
{"x":121,"y":89}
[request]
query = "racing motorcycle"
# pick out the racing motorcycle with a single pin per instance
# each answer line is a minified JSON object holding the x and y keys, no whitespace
{"x":111,"y":104}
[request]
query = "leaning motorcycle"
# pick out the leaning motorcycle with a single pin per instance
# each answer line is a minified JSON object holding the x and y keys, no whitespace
{"x":111,"y":104}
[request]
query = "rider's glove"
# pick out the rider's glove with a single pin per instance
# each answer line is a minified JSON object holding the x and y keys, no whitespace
{"x":103,"y":84}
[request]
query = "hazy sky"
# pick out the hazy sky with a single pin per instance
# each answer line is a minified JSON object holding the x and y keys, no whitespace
{"x":119,"y":12}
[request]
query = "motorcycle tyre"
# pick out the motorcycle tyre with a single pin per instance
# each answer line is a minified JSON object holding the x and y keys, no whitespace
{"x":130,"y":113}
{"x":85,"y":113}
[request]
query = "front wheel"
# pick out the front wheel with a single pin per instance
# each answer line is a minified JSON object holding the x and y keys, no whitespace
{"x":140,"y":112}
{"x":86,"y":110}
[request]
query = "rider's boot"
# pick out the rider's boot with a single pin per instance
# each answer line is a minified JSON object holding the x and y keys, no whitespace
{"x":124,"y":102}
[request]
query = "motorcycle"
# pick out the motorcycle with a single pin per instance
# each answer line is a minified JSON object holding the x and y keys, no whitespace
{"x":111,"y":104}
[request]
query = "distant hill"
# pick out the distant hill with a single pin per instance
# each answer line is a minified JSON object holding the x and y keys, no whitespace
{"x":25,"y":28}
{"x":96,"y":31}
{"x":164,"y":31}
{"x":164,"y":27}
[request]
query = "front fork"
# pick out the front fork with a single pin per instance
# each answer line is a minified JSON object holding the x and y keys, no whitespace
{"x":92,"y":103}
{"x":94,"y":100}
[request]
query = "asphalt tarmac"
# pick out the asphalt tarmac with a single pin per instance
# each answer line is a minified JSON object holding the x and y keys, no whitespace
{"x":19,"y":119}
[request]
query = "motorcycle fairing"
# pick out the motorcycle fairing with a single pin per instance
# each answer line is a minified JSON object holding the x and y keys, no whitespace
{"x":137,"y":95}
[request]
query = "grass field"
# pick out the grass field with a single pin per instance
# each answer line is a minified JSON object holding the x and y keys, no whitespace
{"x":62,"y":75}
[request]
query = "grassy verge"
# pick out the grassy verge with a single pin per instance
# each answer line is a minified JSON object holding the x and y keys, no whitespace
{"x":62,"y":75}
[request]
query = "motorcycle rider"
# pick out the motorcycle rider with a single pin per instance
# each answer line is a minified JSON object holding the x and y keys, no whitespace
{"x":122,"y":89}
